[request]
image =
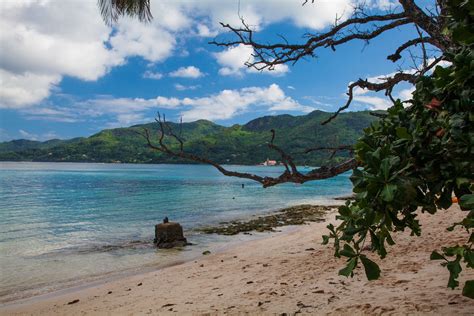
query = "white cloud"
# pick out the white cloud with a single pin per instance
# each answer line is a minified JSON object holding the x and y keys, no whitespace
{"x":406,"y":94}
{"x":233,"y":60}
{"x":229,"y":103}
{"x":258,"y":14}
{"x":204,"y":31}
{"x":181,"y":87}
{"x":223,"y":105}
{"x":45,"y":41}
{"x":187,"y":72}
{"x":152,"y":75}
{"x":39,"y":137}
{"x":129,"y":119}
{"x":375,"y":103}
{"x":149,"y":41}
{"x":24,"y":89}
{"x":49,"y":39}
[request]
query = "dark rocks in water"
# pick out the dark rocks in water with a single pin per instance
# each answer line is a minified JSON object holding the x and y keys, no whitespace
{"x":345,"y":198}
{"x":169,"y":235}
{"x":295,"y":215}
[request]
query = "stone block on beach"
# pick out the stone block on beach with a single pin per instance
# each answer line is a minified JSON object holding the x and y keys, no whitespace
{"x":169,"y":235}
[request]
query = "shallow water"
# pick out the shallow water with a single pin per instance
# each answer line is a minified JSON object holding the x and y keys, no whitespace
{"x":63,"y":223}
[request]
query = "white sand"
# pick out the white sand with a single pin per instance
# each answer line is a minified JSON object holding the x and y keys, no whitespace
{"x":280,"y":275}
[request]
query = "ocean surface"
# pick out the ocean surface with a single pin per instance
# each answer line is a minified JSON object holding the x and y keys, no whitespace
{"x":63,"y":224}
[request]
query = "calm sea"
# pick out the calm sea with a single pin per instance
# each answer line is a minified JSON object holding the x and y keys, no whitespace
{"x":66,"y":223}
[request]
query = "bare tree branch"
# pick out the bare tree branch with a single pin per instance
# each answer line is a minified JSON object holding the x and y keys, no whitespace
{"x":387,"y":85}
{"x":396,"y":55}
{"x":269,"y":55}
{"x":291,"y":173}
{"x":361,"y":26}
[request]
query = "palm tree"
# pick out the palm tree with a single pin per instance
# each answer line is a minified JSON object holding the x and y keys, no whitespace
{"x":111,"y":10}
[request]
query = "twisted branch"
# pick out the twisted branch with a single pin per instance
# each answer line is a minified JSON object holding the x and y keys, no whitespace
{"x":291,"y":173}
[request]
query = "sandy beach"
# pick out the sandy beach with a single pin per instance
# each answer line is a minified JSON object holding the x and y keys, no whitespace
{"x":288,"y":272}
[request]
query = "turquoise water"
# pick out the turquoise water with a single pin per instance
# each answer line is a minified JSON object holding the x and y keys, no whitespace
{"x":64,"y":223}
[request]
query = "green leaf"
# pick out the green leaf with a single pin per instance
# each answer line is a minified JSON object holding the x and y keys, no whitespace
{"x":402,"y":133}
{"x":388,"y":192}
{"x":467,"y":201}
{"x":469,"y":258}
{"x":347,"y":251}
{"x":325,"y":239}
{"x":468,"y":289}
{"x":436,"y":256}
{"x":372,"y":270}
{"x":347,"y":271}
{"x":454,"y":269}
{"x":344,"y":210}
{"x":462,"y":181}
{"x":385,"y":167}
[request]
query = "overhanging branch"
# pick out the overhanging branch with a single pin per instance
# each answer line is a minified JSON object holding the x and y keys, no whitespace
{"x":291,"y":173}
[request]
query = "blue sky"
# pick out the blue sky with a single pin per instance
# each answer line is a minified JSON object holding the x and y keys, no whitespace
{"x":64,"y":73}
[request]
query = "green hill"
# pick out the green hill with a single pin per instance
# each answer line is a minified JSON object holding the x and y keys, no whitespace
{"x":238,"y":144}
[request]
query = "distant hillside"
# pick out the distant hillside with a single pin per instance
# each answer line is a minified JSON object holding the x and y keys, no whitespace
{"x":238,"y":144}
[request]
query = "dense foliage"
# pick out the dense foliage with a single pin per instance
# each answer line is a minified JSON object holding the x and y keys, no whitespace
{"x":417,"y":157}
{"x":238,"y":144}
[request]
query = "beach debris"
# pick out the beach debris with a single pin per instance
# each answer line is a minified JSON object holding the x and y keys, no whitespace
{"x":140,"y":284}
{"x":169,"y":234}
{"x":109,"y":292}
{"x":309,"y":249}
{"x":168,"y":305}
{"x":73,"y":302}
{"x":207,"y":252}
{"x":249,"y":282}
{"x":302,"y":305}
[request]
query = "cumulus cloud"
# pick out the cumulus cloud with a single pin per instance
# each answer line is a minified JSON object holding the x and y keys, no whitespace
{"x":229,"y":103}
{"x":187,"y":72}
{"x":233,"y":60}
{"x":45,"y":41}
{"x":204,"y":31}
{"x":24,"y":89}
{"x":406,"y":94}
{"x":258,"y":14}
{"x":152,"y":75}
{"x":223,"y":105}
{"x":49,"y":39}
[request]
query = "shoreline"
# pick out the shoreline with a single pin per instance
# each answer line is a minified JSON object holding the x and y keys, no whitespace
{"x":234,"y":240}
{"x":285,"y":272}
{"x":122,"y":275}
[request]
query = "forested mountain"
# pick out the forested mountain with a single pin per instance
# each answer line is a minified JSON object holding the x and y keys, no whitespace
{"x":237,"y":144}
